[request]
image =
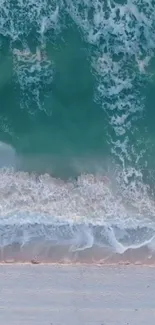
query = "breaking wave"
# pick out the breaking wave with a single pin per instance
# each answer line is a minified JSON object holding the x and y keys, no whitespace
{"x":81,"y":220}
{"x":63,"y":241}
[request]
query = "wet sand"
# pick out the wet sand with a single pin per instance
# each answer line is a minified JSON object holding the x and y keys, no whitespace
{"x":77,"y":295}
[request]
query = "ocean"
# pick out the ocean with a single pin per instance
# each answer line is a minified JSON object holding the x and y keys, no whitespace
{"x":77,"y":149}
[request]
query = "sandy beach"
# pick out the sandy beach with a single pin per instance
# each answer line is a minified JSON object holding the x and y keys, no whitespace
{"x":77,"y":295}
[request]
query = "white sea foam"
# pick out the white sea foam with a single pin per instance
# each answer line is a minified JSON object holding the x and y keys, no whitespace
{"x":41,"y":215}
{"x":123,"y":36}
{"x":18,"y":19}
{"x":55,"y":220}
{"x":33,"y":72}
{"x":90,"y":198}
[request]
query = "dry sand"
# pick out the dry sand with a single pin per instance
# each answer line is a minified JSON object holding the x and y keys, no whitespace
{"x":77,"y":295}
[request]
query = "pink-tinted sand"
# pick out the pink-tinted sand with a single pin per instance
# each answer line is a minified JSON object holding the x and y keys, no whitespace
{"x":77,"y":295}
{"x":63,"y":254}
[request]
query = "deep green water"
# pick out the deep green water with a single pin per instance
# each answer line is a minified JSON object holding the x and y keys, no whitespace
{"x":69,"y":124}
{"x":69,"y":109}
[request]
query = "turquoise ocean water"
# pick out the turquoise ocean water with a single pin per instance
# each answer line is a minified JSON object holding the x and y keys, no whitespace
{"x":77,"y":149}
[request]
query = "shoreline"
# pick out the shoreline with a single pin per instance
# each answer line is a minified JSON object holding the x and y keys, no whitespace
{"x":78,"y":264}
